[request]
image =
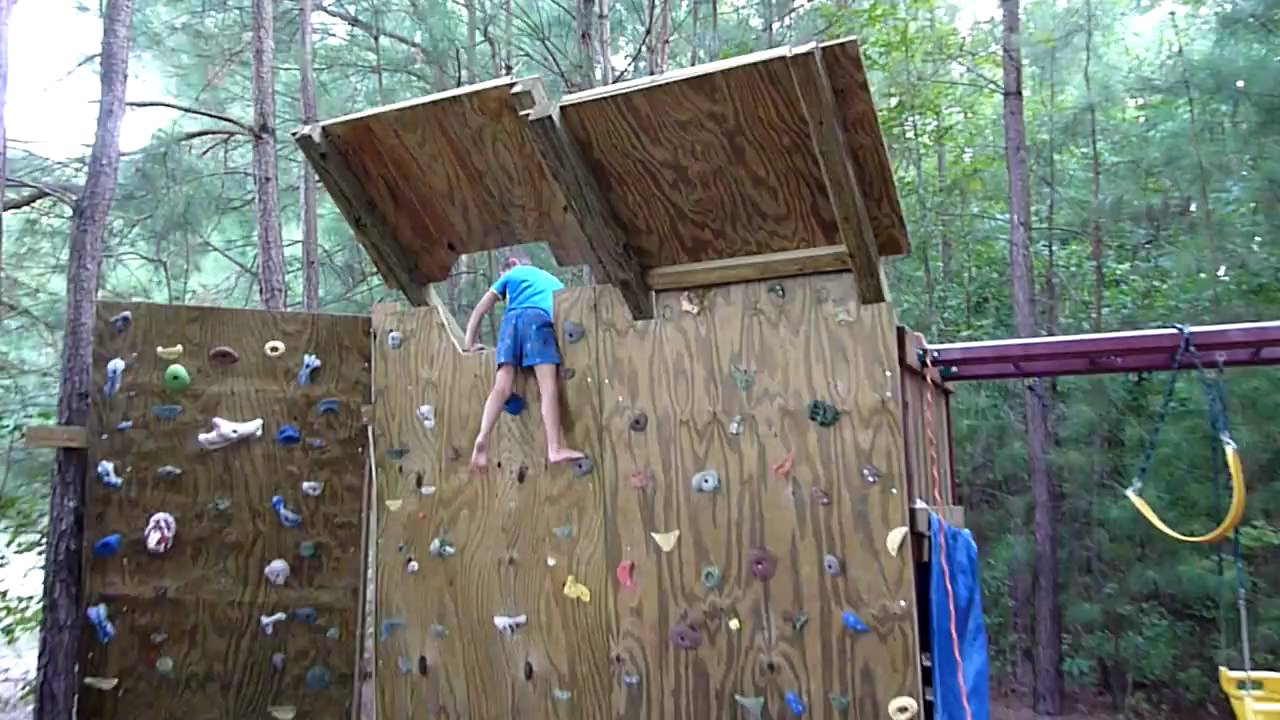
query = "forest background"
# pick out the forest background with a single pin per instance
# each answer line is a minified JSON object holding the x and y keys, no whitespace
{"x":1136,"y":184}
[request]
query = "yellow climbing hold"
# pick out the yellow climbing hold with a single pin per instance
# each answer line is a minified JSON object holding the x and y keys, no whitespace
{"x":903,"y":708}
{"x":893,"y":543}
{"x":101,"y":683}
{"x":576,"y":590}
{"x":735,"y":624}
{"x":394,"y":505}
{"x":283,"y":712}
{"x":170,"y":353}
{"x":666,"y":540}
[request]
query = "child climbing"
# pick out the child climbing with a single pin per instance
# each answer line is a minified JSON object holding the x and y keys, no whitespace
{"x":526,"y":338}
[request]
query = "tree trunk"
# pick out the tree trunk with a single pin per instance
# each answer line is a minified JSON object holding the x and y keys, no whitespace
{"x":61,"y":623}
{"x":472,"y":26}
{"x":310,"y":259}
{"x":602,"y":29}
{"x":715,"y":29}
{"x":1048,"y":645}
{"x":270,"y":248}
{"x":1095,"y":205}
{"x":693,"y":31}
{"x":586,"y":44}
{"x":5,"y":7}
{"x":663,"y":37}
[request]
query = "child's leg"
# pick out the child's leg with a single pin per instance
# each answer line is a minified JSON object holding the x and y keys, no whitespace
{"x":502,"y":382}
{"x":548,"y":388}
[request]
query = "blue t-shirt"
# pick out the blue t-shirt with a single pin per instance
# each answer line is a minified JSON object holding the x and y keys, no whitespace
{"x":525,"y":286}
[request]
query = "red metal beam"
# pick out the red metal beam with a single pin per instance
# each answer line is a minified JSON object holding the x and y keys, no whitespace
{"x":1238,"y":345}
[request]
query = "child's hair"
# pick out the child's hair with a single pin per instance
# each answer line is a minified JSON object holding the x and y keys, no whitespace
{"x":510,"y":263}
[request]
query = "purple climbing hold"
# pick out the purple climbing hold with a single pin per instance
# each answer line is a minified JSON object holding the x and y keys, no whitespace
{"x":763,"y":564}
{"x":685,"y":636}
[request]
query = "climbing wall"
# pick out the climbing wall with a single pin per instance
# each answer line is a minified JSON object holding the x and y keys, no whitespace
{"x":734,"y":550}
{"x":190,"y":622}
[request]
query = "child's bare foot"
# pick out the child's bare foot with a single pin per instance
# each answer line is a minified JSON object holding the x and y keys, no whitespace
{"x":559,"y":455}
{"x":480,"y":457}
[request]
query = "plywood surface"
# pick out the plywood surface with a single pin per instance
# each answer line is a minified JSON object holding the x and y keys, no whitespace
{"x":199,"y":604}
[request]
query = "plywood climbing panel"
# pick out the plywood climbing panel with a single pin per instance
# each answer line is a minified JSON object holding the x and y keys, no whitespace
{"x":748,"y":469}
{"x":178,"y":552}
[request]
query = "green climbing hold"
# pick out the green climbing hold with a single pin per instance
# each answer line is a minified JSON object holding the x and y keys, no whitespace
{"x":307,"y":548}
{"x":839,"y":703}
{"x":823,"y":413}
{"x":753,"y":705}
{"x":176,"y":378}
{"x":711,"y":577}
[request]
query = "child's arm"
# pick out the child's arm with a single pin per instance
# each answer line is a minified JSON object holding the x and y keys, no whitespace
{"x":473,"y":324}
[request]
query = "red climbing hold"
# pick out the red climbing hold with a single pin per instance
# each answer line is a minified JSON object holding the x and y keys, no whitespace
{"x":642,"y":478}
{"x":625,"y":572}
{"x":783,"y":468}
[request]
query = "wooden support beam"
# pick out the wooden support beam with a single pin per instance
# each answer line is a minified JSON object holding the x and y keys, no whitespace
{"x":814,"y":89}
{"x":371,"y":228}
{"x":610,"y":256}
{"x":56,"y":436}
{"x":952,"y":514}
{"x":751,"y":267}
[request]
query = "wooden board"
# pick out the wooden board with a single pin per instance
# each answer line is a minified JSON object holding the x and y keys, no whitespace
{"x":916,"y":391}
{"x":206,"y":594}
{"x":502,"y":526}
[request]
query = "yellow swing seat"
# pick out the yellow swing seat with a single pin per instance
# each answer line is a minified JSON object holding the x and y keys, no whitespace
{"x":1254,"y":695}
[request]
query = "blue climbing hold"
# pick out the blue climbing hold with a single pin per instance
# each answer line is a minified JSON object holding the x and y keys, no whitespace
{"x":318,"y":678}
{"x":288,"y":436}
{"x":514,"y":404}
{"x":97,"y":615}
{"x":124,"y":425}
{"x":327,"y":406}
{"x":166,"y":412}
{"x":853,"y":623}
{"x":794,"y":703}
{"x":305,"y":615}
{"x":389,"y":626}
{"x":310,"y":363}
{"x":288,"y":518}
{"x":107,"y":546}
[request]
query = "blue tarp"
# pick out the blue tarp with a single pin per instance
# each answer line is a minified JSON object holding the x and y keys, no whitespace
{"x":962,"y":561}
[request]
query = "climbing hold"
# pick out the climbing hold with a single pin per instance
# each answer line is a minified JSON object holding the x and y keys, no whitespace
{"x":508,"y":624}
{"x":799,"y":620}
{"x":794,"y":703}
{"x":307,"y":548}
{"x":223,"y":356}
{"x":107,"y":546}
{"x":394,"y":505}
{"x":312,"y":488}
{"x":333,"y":633}
{"x":166,"y":412}
{"x":561,"y":695}
{"x":573,"y":331}
{"x":903,"y":708}
{"x":288,"y":518}
{"x":102,"y":627}
{"x":753,"y":705}
{"x":630,"y":680}
{"x":115,"y":374}
{"x":666,"y":540}
{"x":871,"y":474}
{"x":737,"y":425}
{"x":853,"y":623}
{"x":822,"y":496}
{"x":893,"y":541}
{"x":318,"y":678}
{"x":220,"y":505}
{"x":403,"y":665}
{"x":158,"y":637}
{"x":282,"y":712}
{"x":124,"y":425}
{"x":306,"y":615}
{"x":176,"y":378}
{"x":411,"y":567}
{"x":169,"y":353}
{"x":107,"y":474}
{"x":839,"y":703}
{"x":762,"y":562}
{"x":706,"y":481}
{"x":823,"y":413}
{"x":583,"y":466}
{"x":277,"y":661}
{"x":567,"y":373}
{"x":777,"y":290}
{"x":685,"y":636}
{"x":427,"y":490}
{"x":690,"y":303}
{"x":316,"y":443}
{"x":101,"y":683}
{"x":288,"y":435}
{"x":514,"y":404}
{"x":422,"y":665}
{"x":639,"y":422}
{"x":641,"y":478}
{"x":277,"y":571}
{"x":389,"y":626}
{"x":742,"y":377}
{"x":576,"y":590}
{"x":564,"y":532}
{"x":831,"y":565}
{"x":735,"y":624}
{"x":161,"y":528}
{"x":441,"y":548}
{"x":168,"y":472}
{"x":164,"y":665}
{"x":226,"y":432}
{"x":310,"y":364}
{"x":395,"y":339}
{"x":267,"y":622}
{"x":274,"y":348}
{"x":328,"y":406}
{"x":427,"y":414}
{"x":625,"y":572}
{"x":121,"y":321}
{"x":439,"y":631}
{"x":397,"y":453}
{"x":711,"y":577}
{"x":522,"y":474}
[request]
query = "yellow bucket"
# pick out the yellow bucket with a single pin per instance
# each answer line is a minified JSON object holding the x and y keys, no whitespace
{"x":1255,"y":696}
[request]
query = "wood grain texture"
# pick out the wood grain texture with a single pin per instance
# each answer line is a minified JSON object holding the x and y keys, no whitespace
{"x":752,"y":267}
{"x":207,"y":593}
{"x":502,"y":525}
{"x":55,"y":436}
{"x":914,"y":392}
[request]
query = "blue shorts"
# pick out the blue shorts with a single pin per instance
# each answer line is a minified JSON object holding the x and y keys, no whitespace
{"x":527,"y":338}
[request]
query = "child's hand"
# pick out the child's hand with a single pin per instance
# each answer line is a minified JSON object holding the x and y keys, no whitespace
{"x":476,"y":347}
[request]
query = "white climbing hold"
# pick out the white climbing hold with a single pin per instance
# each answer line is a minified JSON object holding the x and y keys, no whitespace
{"x":427,"y":490}
{"x":115,"y":374}
{"x":666,"y":540}
{"x":893,"y":542}
{"x":551,"y":562}
{"x":107,"y":474}
{"x":268,"y":621}
{"x":283,"y":712}
{"x":159,"y":532}
{"x":226,"y":432}
{"x":277,"y":571}
{"x":101,"y":683}
{"x":394,"y":505}
{"x":903,"y":708}
{"x":312,"y":488}
{"x":169,"y":353}
{"x":508,"y":623}
{"x":411,"y":567}
{"x":427,"y":414}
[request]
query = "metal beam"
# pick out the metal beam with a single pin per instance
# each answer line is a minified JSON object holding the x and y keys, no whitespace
{"x":1238,"y":345}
